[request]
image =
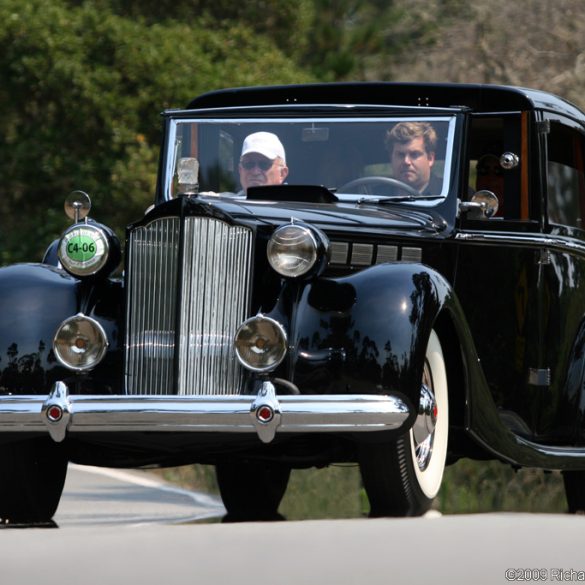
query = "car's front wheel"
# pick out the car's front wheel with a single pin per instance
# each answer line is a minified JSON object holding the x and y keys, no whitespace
{"x":402,"y":478}
{"x":32,"y":476}
{"x":253,"y":490}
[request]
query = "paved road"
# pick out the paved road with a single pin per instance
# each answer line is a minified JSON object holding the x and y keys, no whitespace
{"x":97,"y":496}
{"x":110,"y":541}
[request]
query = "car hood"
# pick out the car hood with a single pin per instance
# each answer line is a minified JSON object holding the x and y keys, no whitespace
{"x":337,"y":216}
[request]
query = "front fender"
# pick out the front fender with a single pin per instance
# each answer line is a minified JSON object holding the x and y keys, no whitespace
{"x":366,"y":333}
{"x":34,"y":300}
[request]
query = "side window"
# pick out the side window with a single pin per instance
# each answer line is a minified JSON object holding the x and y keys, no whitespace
{"x":565,"y":174}
{"x":490,"y":137}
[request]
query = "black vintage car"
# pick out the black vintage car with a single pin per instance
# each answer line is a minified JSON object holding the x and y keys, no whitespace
{"x":390,"y":299}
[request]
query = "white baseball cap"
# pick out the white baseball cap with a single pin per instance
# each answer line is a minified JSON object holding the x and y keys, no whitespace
{"x":264,"y":143}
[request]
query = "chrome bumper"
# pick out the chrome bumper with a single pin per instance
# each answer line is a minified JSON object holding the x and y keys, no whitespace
{"x":264,"y":414}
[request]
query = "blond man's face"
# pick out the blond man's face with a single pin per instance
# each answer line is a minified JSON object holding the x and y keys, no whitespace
{"x":257,"y":170}
{"x":411,"y":163}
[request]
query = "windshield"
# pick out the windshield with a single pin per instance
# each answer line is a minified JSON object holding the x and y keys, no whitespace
{"x":393,"y":158}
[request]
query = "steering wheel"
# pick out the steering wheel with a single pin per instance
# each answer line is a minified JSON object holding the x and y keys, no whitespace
{"x":370,"y":182}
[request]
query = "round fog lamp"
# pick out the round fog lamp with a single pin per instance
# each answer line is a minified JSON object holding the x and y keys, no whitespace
{"x":292,"y":250}
{"x":80,"y":343}
{"x":260,"y":343}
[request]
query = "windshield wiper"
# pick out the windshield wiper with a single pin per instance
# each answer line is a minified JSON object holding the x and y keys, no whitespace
{"x":400,"y":198}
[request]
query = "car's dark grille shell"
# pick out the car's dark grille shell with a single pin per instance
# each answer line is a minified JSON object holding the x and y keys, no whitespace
{"x":187,"y":351}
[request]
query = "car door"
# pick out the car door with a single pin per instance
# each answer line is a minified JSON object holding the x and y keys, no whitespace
{"x":501,"y":279}
{"x":563,"y":276}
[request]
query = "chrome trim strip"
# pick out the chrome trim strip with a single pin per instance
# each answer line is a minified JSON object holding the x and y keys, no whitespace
{"x":225,"y":414}
{"x":556,"y":243}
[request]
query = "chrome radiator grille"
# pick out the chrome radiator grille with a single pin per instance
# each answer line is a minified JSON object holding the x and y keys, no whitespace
{"x":181,"y":319}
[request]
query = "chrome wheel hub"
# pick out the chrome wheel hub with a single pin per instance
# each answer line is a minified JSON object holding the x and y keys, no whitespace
{"x":423,"y":430}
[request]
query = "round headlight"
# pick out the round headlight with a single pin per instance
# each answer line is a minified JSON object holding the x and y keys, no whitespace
{"x":80,"y":343}
{"x":84,"y":249}
{"x":260,"y":343}
{"x":293,"y":250}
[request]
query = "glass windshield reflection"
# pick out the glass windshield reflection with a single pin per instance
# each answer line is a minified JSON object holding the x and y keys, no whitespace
{"x":404,"y":159}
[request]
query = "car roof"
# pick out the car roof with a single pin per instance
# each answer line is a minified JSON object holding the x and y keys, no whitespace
{"x":476,"y":97}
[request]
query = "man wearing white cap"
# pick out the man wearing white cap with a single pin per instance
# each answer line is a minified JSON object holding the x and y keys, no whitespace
{"x":262,"y":161}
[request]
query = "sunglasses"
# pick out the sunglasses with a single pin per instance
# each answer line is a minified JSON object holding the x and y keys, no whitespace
{"x":263,"y":165}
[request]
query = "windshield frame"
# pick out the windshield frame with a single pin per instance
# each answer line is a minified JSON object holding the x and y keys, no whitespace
{"x":447,"y":118}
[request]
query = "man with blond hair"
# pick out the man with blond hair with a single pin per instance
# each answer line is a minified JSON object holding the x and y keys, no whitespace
{"x":411,"y":147}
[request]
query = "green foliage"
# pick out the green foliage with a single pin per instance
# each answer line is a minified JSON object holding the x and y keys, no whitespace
{"x":489,"y":486}
{"x":331,"y":492}
{"x":469,"y":487}
{"x":350,"y":39}
{"x":284,"y":21}
{"x":80,"y":100}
